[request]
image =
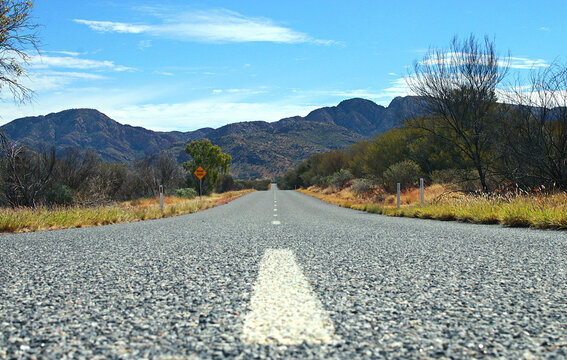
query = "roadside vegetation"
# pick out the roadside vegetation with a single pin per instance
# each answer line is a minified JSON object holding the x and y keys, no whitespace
{"x":42,"y":190}
{"x":26,"y":219}
{"x":485,"y":159}
{"x":540,"y":210}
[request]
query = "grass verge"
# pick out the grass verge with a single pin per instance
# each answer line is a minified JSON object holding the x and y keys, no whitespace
{"x":537,"y":211}
{"x":41,"y":218}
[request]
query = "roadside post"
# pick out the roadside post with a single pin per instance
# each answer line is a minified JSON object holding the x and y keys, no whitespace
{"x":161,"y":197}
{"x":421,"y":191}
{"x":399,"y":190}
{"x":200,"y":174}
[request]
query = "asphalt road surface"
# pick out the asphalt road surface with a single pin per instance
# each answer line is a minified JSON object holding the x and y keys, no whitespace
{"x":278,"y":274}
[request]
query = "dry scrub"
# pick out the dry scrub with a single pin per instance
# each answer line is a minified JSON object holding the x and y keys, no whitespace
{"x":42,"y":218}
{"x":542,"y":211}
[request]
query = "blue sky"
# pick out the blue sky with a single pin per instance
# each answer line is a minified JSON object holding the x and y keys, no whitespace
{"x":183,"y":65}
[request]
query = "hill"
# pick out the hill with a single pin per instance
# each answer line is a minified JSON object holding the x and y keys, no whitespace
{"x":259,"y":149}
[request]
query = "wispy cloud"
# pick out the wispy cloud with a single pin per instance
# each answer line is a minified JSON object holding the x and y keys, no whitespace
{"x":73,"y":62}
{"x":526,"y":63}
{"x":144,"y":44}
{"x":511,"y":62}
{"x":214,"y":26}
{"x":111,"y":26}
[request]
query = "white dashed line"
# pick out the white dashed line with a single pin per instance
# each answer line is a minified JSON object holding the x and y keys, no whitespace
{"x":275,"y":222}
{"x":283,"y":308}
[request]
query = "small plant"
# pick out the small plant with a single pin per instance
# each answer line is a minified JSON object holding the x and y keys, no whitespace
{"x":362,"y":187}
{"x":340,"y":179}
{"x":59,"y":194}
{"x":188,"y":193}
{"x":406,"y":173}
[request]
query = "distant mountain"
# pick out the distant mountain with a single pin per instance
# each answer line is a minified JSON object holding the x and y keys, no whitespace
{"x":88,"y":128}
{"x":259,"y":149}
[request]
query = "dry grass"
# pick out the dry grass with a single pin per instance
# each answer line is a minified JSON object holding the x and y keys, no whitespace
{"x":543,"y":211}
{"x":28,"y":219}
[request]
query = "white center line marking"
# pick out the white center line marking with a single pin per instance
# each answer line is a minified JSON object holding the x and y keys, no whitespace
{"x":275,"y":209}
{"x":275,"y":222}
{"x":283,"y":308}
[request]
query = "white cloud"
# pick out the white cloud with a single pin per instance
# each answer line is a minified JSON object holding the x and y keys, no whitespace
{"x":215,"y":26}
{"x":164,"y":73}
{"x":69,"y":53}
{"x":55,"y":80}
{"x":513,"y":63}
{"x":526,"y":63}
{"x":110,"y":26}
{"x":73,"y":62}
{"x":144,"y":44}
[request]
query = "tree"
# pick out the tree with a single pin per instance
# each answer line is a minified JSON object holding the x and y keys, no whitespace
{"x":211,"y":158}
{"x":533,"y":149}
{"x":17,"y":35}
{"x":458,"y":88}
{"x":25,"y":173}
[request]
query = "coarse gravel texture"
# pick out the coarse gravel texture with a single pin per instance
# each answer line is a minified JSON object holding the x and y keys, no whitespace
{"x":180,"y":287}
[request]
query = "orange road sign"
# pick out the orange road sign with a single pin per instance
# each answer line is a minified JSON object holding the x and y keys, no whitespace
{"x":200,"y":173}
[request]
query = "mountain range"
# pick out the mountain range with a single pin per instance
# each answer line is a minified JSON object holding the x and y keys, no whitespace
{"x":259,"y":149}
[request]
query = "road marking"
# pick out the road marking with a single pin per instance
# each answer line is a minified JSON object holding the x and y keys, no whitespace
{"x":283,"y":308}
{"x":275,"y":209}
{"x":275,"y":222}
{"x":275,"y":214}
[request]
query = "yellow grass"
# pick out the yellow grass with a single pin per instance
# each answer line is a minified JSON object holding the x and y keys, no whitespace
{"x":29,"y":219}
{"x":536,"y":210}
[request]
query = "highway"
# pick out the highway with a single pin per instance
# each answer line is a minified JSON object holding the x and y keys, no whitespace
{"x":277,"y":274}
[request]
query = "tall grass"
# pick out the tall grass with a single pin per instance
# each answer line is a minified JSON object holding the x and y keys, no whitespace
{"x":542,"y":211}
{"x":42,"y":218}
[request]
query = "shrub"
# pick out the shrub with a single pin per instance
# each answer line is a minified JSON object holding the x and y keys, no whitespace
{"x":59,"y":194}
{"x":464,"y":179}
{"x":406,"y":173}
{"x":188,"y":193}
{"x":340,"y":178}
{"x":362,"y":187}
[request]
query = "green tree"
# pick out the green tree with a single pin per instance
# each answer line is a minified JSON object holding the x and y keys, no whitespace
{"x":211,"y":158}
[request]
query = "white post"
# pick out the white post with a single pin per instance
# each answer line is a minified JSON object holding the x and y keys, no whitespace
{"x":399,"y":190}
{"x":421,"y":191}
{"x":161,"y":197}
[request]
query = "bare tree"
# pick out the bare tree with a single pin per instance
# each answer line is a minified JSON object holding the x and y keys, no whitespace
{"x":458,"y":89}
{"x":74,"y":168}
{"x":534,"y":150}
{"x":25,"y":174}
{"x":18,"y":34}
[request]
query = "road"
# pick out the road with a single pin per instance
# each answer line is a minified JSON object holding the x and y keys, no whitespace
{"x":277,"y":274}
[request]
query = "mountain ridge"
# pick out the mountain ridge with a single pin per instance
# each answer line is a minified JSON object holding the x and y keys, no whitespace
{"x":258,"y":148}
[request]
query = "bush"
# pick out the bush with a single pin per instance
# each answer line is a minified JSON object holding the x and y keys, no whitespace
{"x":340,"y":179}
{"x":59,"y":194}
{"x":407,"y":173}
{"x":362,"y":187}
{"x":188,"y":193}
{"x":224,"y":184}
{"x":464,"y":179}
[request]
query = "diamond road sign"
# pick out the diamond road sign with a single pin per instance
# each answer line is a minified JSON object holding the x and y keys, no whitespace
{"x":200,"y":173}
